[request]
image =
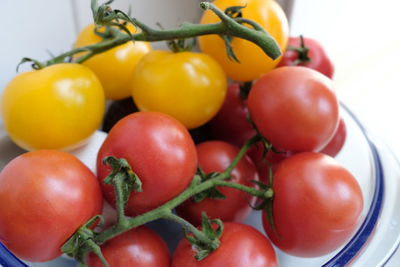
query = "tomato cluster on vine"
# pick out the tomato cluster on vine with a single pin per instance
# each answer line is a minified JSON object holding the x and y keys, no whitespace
{"x":267,"y":141}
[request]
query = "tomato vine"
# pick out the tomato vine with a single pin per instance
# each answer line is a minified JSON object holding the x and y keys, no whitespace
{"x":123,"y":177}
{"x":104,"y":15}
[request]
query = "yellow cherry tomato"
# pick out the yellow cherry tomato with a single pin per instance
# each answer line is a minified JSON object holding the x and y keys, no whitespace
{"x":188,"y":86}
{"x":115,"y":66}
{"x":57,"y":107}
{"x":253,"y":61}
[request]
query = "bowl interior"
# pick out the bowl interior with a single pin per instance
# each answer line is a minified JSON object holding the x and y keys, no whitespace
{"x":359,"y":155}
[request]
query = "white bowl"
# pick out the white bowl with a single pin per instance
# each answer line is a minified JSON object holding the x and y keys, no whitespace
{"x":365,"y":156}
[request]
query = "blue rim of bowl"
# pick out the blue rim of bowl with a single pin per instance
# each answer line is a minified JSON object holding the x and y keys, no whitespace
{"x":356,"y":244}
{"x":7,"y":259}
{"x":345,"y":255}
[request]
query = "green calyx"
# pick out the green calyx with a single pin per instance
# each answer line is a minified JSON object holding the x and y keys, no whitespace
{"x":234,"y":11}
{"x":213,"y":192}
{"x":267,"y":201}
{"x":302,"y":52}
{"x":123,"y":176}
{"x":181,"y":45}
{"x":203,"y":249}
{"x":83,"y":241}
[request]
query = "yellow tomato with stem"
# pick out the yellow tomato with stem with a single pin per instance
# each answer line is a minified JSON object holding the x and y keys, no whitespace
{"x":114,"y":67}
{"x":57,"y":107}
{"x":189,"y":86}
{"x":253,"y":61}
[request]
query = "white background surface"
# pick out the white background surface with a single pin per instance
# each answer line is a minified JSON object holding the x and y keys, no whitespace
{"x":361,"y":36}
{"x":363,"y":39}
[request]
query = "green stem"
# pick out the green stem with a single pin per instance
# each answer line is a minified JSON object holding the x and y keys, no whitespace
{"x":302,"y":52}
{"x":257,"y":35}
{"x":120,"y":202}
{"x":96,"y":250}
{"x":228,"y":27}
{"x":239,"y":156}
{"x":252,"y":23}
{"x":160,"y":212}
{"x":188,"y":227}
{"x":164,"y":211}
{"x":186,"y":30}
{"x":250,"y":190}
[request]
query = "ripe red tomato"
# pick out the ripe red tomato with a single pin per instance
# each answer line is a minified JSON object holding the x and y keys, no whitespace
{"x":45,"y":196}
{"x":230,"y":124}
{"x":335,"y":145}
{"x":160,"y":151}
{"x":215,"y":156}
{"x":310,"y":54}
{"x":241,"y":246}
{"x":295,"y":108}
{"x":317,"y":205}
{"x":139,"y":247}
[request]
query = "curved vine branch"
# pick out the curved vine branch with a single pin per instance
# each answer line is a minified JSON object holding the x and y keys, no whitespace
{"x":104,"y":15}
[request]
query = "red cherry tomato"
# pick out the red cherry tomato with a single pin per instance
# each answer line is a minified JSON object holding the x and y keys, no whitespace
{"x":335,"y":145}
{"x":160,"y":151}
{"x":241,"y":246}
{"x":316,"y":207}
{"x":295,"y":108}
{"x":45,"y":196}
{"x":308,"y":53}
{"x":215,"y":156}
{"x":139,"y":247}
{"x":230,"y":124}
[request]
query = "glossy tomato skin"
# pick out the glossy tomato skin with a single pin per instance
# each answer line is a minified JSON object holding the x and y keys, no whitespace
{"x":160,"y":151}
{"x":231,"y":124}
{"x":45,"y":196}
{"x":319,"y":59}
{"x":215,"y":156}
{"x":57,"y":107}
{"x":190,"y":87}
{"x":317,"y":205}
{"x":253,"y":61}
{"x":295,"y":108}
{"x":337,"y":142}
{"x":139,"y":247}
{"x":241,"y":246}
{"x":113,"y":67}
